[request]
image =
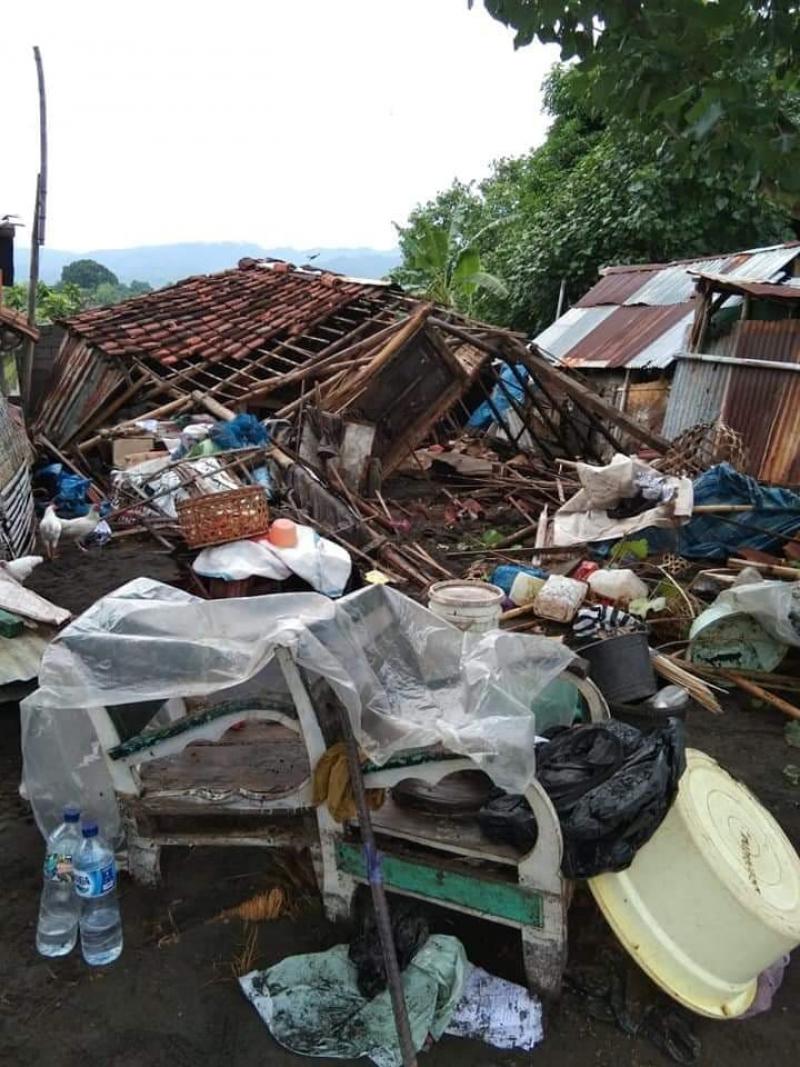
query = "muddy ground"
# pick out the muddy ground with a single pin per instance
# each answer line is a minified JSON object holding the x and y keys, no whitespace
{"x":172,"y":999}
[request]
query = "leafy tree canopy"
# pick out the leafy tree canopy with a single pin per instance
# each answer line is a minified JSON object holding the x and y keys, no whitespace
{"x":88,"y":274}
{"x":596,"y":192}
{"x":52,"y":301}
{"x":721,"y":75}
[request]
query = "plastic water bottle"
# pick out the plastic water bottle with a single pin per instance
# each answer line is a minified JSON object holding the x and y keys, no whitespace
{"x":59,"y":908}
{"x":96,"y":885}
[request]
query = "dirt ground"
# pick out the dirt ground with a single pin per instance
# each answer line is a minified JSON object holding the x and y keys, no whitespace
{"x":172,"y":999}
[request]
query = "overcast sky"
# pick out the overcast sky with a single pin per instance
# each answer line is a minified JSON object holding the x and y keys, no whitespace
{"x":305,"y":123}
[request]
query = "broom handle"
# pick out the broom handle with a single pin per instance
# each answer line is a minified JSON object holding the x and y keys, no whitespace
{"x":379,"y":902}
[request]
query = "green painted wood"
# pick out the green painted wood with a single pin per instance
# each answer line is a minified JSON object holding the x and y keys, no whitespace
{"x":514,"y":903}
{"x":411,"y":757}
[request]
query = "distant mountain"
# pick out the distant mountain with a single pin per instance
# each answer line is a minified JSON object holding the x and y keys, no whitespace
{"x":161,"y":264}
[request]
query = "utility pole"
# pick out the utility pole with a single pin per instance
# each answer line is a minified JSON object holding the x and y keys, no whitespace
{"x":37,"y":232}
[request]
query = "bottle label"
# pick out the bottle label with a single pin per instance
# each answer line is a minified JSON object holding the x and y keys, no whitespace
{"x":96,"y":883}
{"x":57,"y":867}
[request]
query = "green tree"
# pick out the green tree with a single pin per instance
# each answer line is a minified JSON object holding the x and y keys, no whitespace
{"x":53,"y":302}
{"x":722,"y":75}
{"x":136,"y":288}
{"x":442,"y":263}
{"x":596,"y":192}
{"x":87,"y":274}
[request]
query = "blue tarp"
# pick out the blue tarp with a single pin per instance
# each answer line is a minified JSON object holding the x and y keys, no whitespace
{"x":709,"y":537}
{"x":67,"y":491}
{"x":512,"y":377}
{"x":240,"y":432}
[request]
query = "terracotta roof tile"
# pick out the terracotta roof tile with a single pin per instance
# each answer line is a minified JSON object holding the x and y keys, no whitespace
{"x":233,"y":312}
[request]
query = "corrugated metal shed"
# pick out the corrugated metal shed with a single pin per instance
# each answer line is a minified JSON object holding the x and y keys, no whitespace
{"x":696,"y":396}
{"x":623,"y":335}
{"x":760,"y":403}
{"x":643,"y":289}
{"x":558,"y":339}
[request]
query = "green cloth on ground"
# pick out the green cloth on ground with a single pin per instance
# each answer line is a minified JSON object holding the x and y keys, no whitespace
{"x":312,"y":1006}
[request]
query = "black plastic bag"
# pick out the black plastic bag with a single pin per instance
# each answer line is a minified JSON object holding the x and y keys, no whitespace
{"x":507,"y":817}
{"x":409,"y":931}
{"x":611,"y":786}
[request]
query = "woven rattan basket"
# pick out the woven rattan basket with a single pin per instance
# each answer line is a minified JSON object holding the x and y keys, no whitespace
{"x":221,"y":517}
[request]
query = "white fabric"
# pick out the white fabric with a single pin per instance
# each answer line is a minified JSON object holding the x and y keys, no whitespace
{"x":407,"y":679}
{"x":160,"y":480}
{"x":580,"y":520}
{"x":324,"y":565}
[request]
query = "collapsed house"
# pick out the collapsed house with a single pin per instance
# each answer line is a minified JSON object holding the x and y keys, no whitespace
{"x":276,"y":340}
{"x":633,"y":333}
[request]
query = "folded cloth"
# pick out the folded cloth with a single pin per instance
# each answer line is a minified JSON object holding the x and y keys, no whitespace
{"x":332,"y":785}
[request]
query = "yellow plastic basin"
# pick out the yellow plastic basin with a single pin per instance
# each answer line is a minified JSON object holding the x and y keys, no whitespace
{"x":712,"y":899}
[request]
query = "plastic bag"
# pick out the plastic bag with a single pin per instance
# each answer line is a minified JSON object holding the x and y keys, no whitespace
{"x":611,"y":786}
{"x":406,"y":678}
{"x":409,"y":933}
{"x":620,"y":585}
{"x":507,"y":818}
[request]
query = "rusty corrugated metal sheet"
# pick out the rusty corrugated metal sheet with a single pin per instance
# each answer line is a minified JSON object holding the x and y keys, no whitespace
{"x":563,"y":335}
{"x":762,"y":264}
{"x":615,"y":287}
{"x":623,"y":335}
{"x":661,"y":352}
{"x":674,"y":285}
{"x":696,"y":396}
{"x":760,"y":290}
{"x":763,"y":404}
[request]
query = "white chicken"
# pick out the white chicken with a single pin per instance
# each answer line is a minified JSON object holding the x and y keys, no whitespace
{"x":50,"y":531}
{"x":20,"y":569}
{"x":78,"y":530}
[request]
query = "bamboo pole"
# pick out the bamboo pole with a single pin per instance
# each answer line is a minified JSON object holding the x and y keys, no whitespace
{"x":757,"y":691}
{"x":166,"y":409}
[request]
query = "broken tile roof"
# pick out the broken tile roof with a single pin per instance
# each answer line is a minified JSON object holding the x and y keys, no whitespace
{"x":219,"y":316}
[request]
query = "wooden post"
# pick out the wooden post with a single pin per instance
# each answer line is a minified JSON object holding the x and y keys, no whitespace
{"x":37,"y":234}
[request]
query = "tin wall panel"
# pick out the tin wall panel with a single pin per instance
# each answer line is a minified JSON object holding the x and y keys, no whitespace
{"x":696,"y":396}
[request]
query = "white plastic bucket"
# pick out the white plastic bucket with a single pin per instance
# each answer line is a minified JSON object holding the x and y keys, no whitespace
{"x":470,"y":605}
{"x":712,"y":899}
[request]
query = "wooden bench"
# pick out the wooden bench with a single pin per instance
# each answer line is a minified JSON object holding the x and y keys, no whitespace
{"x":195,"y":781}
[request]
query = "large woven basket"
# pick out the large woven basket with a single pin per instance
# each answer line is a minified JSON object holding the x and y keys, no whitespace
{"x":221,"y":517}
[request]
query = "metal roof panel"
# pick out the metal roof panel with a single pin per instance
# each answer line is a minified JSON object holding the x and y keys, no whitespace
{"x":561,"y":336}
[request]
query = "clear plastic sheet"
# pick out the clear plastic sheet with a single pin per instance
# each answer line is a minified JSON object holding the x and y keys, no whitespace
{"x":407,"y":679}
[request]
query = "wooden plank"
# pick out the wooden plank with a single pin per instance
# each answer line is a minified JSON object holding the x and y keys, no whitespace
{"x":261,"y":758}
{"x":494,"y":899}
{"x":462,"y":837}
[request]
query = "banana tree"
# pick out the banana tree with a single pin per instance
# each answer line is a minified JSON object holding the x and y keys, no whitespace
{"x":443,"y":265}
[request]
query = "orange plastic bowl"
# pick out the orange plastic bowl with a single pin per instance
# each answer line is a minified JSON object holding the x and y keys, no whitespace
{"x":283,"y":533}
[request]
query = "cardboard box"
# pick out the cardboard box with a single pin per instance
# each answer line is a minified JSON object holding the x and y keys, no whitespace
{"x":124,"y":446}
{"x":142,"y":457}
